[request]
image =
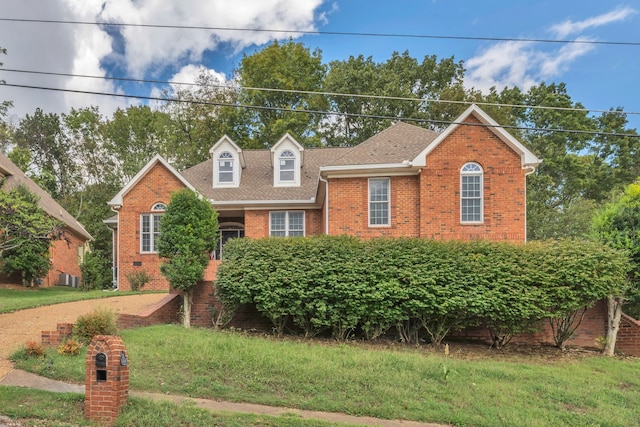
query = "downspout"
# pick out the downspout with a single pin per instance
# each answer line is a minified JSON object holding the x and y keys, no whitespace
{"x":114,"y":261}
{"x":326,"y":205}
{"x":529,"y":170}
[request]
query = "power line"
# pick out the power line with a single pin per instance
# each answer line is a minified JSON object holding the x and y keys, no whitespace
{"x":318,"y":32}
{"x":307,"y":92}
{"x":319,"y":112}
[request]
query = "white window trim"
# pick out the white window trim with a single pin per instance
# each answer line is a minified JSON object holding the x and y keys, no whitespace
{"x":286,"y":219}
{"x":388,"y":202}
{"x":234,"y":169}
{"x":296,"y":169}
{"x":479,"y":172}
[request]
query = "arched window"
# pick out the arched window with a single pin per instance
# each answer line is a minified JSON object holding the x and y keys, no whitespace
{"x":287,"y":166}
{"x":225,"y":167}
{"x":159,"y":207}
{"x":471,"y":197}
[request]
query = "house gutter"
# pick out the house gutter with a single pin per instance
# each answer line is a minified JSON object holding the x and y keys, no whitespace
{"x":529,"y":170}
{"x":326,"y":205}
{"x":115,"y":262}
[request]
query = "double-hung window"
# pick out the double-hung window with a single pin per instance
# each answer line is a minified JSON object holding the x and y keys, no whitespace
{"x":379,"y":201}
{"x":471,"y":183}
{"x":286,"y":223}
{"x":225,"y":168}
{"x":150,"y":228}
{"x":287,"y":166}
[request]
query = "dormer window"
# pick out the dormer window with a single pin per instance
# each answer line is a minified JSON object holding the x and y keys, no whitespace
{"x":225,"y":168}
{"x":287,"y":166}
{"x":228,"y":162}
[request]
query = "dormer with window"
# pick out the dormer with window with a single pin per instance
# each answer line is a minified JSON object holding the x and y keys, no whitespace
{"x":228,"y":162}
{"x":287,"y":160}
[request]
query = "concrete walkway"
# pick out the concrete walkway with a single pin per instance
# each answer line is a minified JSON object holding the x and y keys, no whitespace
{"x":20,"y":378}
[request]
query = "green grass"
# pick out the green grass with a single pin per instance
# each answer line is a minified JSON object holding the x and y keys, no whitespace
{"x":46,"y":409}
{"x":394,"y":383}
{"x":19,"y":299}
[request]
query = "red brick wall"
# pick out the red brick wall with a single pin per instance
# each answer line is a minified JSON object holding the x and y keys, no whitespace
{"x":65,"y":258}
{"x":155,"y":187}
{"x":164,"y":311}
{"x":349,"y":208}
{"x":504,"y":188}
{"x":592,"y":328}
{"x":628,"y":340}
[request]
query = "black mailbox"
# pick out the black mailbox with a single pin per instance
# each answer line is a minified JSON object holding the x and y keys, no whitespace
{"x":101,"y":360}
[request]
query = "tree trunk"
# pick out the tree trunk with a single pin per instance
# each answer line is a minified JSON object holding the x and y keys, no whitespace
{"x":188,"y":301}
{"x":614,"y":313}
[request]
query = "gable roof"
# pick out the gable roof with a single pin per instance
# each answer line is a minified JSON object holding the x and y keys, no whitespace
{"x":527,"y":158}
{"x":157,"y":159}
{"x":14,"y":177}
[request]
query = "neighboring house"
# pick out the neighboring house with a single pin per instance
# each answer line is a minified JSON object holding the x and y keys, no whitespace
{"x":465,"y":183}
{"x":66,"y":255}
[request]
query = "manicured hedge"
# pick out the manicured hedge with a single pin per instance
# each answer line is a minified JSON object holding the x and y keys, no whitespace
{"x":344,"y":285}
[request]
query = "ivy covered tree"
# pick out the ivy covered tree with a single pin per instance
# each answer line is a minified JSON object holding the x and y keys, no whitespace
{"x":26,"y":233}
{"x":618,"y":224}
{"x":188,"y":233}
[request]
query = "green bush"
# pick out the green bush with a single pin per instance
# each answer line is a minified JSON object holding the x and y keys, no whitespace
{"x":424,"y":288}
{"x":138,"y":279}
{"x":96,"y":271}
{"x":101,"y":321}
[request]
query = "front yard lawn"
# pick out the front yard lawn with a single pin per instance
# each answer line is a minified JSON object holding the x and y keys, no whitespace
{"x":482,"y":388}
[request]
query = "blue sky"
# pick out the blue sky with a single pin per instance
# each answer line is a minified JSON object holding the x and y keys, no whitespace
{"x":599,"y":76}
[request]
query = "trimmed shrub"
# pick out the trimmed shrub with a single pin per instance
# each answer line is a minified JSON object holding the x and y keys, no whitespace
{"x":101,"y":321}
{"x":425,"y":289}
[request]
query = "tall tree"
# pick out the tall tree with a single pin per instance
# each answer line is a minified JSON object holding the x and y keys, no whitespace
{"x":200,"y":115}
{"x":618,"y":224}
{"x":291,"y":68}
{"x":188,"y":233}
{"x":358,"y":116}
{"x":565,"y":173}
{"x":42,"y":134}
{"x":133,"y":136}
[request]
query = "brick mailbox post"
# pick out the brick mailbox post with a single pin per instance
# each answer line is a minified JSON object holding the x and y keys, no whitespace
{"x":107,"y":379}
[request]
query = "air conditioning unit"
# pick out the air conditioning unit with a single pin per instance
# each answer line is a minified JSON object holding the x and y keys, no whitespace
{"x":64,"y":279}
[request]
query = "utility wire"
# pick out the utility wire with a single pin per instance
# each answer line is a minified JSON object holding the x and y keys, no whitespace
{"x":318,"y":32}
{"x":320,"y":112}
{"x":307,"y":92}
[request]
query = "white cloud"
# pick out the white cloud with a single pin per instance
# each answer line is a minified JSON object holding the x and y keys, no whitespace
{"x":83,"y":49}
{"x":525,"y":64}
{"x":569,"y":27}
{"x":147,"y":48}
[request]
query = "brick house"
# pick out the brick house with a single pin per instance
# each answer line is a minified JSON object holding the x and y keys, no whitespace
{"x":465,"y":183}
{"x":66,"y":256}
